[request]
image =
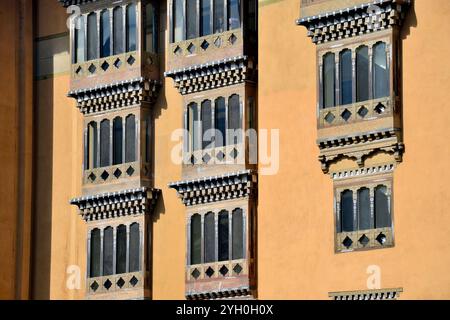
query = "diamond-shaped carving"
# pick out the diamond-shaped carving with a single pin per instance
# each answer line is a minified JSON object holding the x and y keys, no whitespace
{"x":191,"y":48}
{"x":223,"y":270}
{"x":381,"y":238}
{"x":94,"y":286}
{"x":92,"y":68}
{"x":130,"y":171}
{"x":105,"y":175}
{"x":79,"y":70}
{"x":134,"y":281}
{"x":363,"y":112}
{"x":204,"y":45}
{"x":117,"y":63}
{"x":380,"y":108}
{"x":120,"y":282}
{"x":232,"y":39}
{"x":107,"y":284}
{"x":117,"y":173}
{"x":234,"y":153}
{"x":329,"y":117}
{"x":346,"y":114}
{"x":178,"y":50}
{"x":220,"y":155}
{"x":105,"y":66}
{"x":347,"y":242}
{"x":206,"y":158}
{"x":218,"y":42}
{"x":195,"y":273}
{"x":92,"y":177}
{"x":364,"y":240}
{"x":237,"y":268}
{"x":131,"y":60}
{"x":209,"y":272}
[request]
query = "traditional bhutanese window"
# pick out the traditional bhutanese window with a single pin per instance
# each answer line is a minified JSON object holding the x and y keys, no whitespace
{"x":118,"y":32}
{"x":134,"y":264}
{"x":191,"y":19}
{"x":104,"y":143}
{"x":196,"y":239}
{"x":362,"y":74}
{"x":117,"y":140}
{"x":130,"y":138}
{"x":193,"y":126}
{"x":234,"y":120}
{"x":92,"y":146}
{"x":105,"y":34}
{"x":220,"y":122}
{"x":205,"y":17}
{"x":131,"y":27}
{"x":92,"y":37}
{"x":108,"y":251}
{"x":178,"y":21}
{"x":380,"y":73}
{"x":206,"y":115}
{"x":364,"y":215}
{"x":328,"y":80}
{"x":346,"y":76}
{"x":382,"y":216}
{"x":95,"y":253}
{"x":121,"y":249}
{"x":80,"y":32}
{"x":219,"y":16}
{"x":209,"y":243}
{"x":347,"y":211}
{"x":238,"y":234}
{"x":151,"y":30}
{"x":223,"y":231}
{"x":234,"y":14}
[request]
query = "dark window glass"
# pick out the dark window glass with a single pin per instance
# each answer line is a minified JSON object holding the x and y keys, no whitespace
{"x":131,"y":27}
{"x":194,"y":126}
{"x":108,"y":251}
{"x":134,"y":248}
{"x":105,"y":34}
{"x":238,"y":234}
{"x":178,"y":21}
{"x":329,"y":80}
{"x":196,"y":238}
{"x":95,"y":253}
{"x":92,"y":36}
{"x":220,"y":122}
{"x":210,"y":238}
{"x":104,"y":143}
{"x":223,"y":236}
{"x":382,"y":215}
{"x":206,"y":124}
{"x":234,"y":14}
{"x":205,"y":19}
{"x":121,"y":249}
{"x":118,"y":36}
{"x":92,"y":147}
{"x":234,"y":119}
{"x":191,"y":19}
{"x":380,"y":79}
{"x":151,"y":33}
{"x":364,"y":216}
{"x":130,"y":138}
{"x":362,"y":74}
{"x":346,"y":76}
{"x":79,"y":40}
{"x":117,"y":140}
{"x":219,"y":16}
{"x":347,"y":211}
{"x":252,"y":6}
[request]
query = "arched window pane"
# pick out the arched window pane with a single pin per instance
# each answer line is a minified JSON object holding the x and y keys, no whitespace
{"x":95,"y":253}
{"x":206,"y":124}
{"x":79,"y":40}
{"x":104,"y":143}
{"x":328,"y":80}
{"x":194,"y":126}
{"x":238,"y":234}
{"x":191,"y":19}
{"x":234,"y":14}
{"x":92,"y":36}
{"x":108,"y":251}
{"x":131,"y":27}
{"x":117,"y":140}
{"x":219,"y":16}
{"x":121,"y":249}
{"x":220,"y":122}
{"x":92,"y":146}
{"x":234,"y":119}
{"x":382,"y":216}
{"x":364,"y":216}
{"x":151,"y":33}
{"x":105,"y":34}
{"x":210,"y":238}
{"x":223,"y":236}
{"x":362,"y":74}
{"x":118,"y":36}
{"x":130,"y":138}
{"x":178,"y":21}
{"x":380,"y":79}
{"x":196,"y":238}
{"x":347,"y":211}
{"x":346,"y":76}
{"x":134,"y":248}
{"x":205,"y":19}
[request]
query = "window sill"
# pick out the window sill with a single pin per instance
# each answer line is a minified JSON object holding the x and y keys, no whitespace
{"x":364,"y":240}
{"x":217,"y":270}
{"x":112,"y":173}
{"x":116,"y":283}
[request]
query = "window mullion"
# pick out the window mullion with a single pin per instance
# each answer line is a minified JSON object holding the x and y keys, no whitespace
{"x":371,"y":83}
{"x":202,"y":239}
{"x":372,"y":208}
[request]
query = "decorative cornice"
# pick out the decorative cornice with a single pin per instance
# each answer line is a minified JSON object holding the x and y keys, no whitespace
{"x":67,"y":3}
{"x":362,"y":172}
{"x":360,"y":138}
{"x":353,"y":21}
{"x":213,"y":75}
{"x":116,"y":95}
{"x":216,"y":188}
{"x":243,"y":292}
{"x":117,"y":204}
{"x":380,"y":294}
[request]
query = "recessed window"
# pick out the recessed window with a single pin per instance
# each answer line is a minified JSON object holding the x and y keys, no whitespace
{"x":206,"y":124}
{"x":219,"y":16}
{"x":382,"y":215}
{"x":234,"y":119}
{"x":196,"y":238}
{"x":346,"y":76}
{"x":121,"y":249}
{"x":205,"y":17}
{"x":92,"y":146}
{"x":118,"y":32}
{"x":130,"y":138}
{"x":95,"y":253}
{"x":234,"y":14}
{"x":178,"y":21}
{"x":238,"y":234}
{"x":108,"y":251}
{"x":131,"y":27}
{"x":210,"y":237}
{"x":380,"y":71}
{"x":92,"y":38}
{"x":347,"y":211}
{"x":80,"y":33}
{"x":134,"y":256}
{"x":105,"y":34}
{"x":151,"y":30}
{"x":329,"y":80}
{"x":191,"y":19}
{"x":104,"y":143}
{"x":223,"y":230}
{"x":117,"y":140}
{"x":362,"y":74}
{"x":220,"y":122}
